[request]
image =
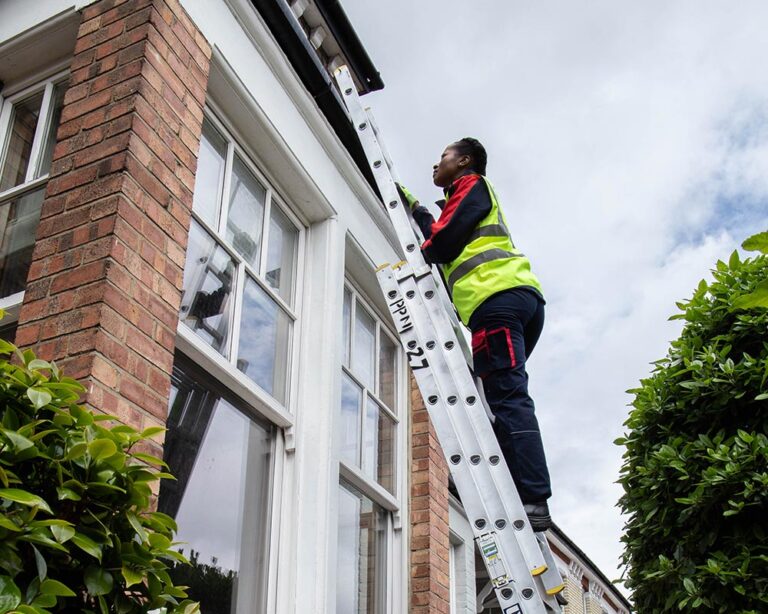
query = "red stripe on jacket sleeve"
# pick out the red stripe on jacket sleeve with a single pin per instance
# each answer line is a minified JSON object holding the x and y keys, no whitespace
{"x":462,"y":187}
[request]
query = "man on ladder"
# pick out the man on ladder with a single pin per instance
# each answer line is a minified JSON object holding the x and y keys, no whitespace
{"x":498,"y":297}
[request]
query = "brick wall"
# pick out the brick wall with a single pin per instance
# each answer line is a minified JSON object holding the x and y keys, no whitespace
{"x":104,"y":287}
{"x":430,"y":545}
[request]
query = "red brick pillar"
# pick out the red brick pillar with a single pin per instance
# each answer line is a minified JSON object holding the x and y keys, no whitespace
{"x":104,"y":287}
{"x":430,"y":541}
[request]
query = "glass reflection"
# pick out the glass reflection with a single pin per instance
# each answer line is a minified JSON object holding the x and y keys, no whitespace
{"x":18,"y":225}
{"x":349,"y":427}
{"x":347,"y":315}
{"x":246,"y":212}
{"x":281,"y":254}
{"x":209,"y":276}
{"x":364,"y":355}
{"x":19,"y":146}
{"x":53,"y":126}
{"x":387,"y":363}
{"x":222,"y":461}
{"x":209,"y":177}
{"x":264,"y":341}
{"x":379,"y":446}
{"x":361,"y":554}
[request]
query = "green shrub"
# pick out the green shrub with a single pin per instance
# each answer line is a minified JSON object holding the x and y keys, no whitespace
{"x":74,"y":532}
{"x":695,"y":472}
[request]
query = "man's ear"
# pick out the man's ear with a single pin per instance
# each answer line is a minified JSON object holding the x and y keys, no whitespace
{"x":464,"y":161}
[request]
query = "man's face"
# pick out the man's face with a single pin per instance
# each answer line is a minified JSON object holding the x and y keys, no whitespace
{"x":451,"y":165}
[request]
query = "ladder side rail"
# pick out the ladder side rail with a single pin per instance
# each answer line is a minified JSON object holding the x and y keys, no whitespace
{"x":382,"y":176}
{"x":457,"y":438}
{"x":478,"y":422}
{"x":383,"y":170}
{"x":402,"y":221}
{"x":551,"y":580}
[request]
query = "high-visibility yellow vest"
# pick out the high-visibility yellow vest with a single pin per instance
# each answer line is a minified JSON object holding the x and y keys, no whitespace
{"x":488,"y":264}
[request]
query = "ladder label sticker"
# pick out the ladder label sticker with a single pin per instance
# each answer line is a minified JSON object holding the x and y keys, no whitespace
{"x":413,"y":359}
{"x":513,"y":609}
{"x":489,"y":549}
{"x":400,"y":314}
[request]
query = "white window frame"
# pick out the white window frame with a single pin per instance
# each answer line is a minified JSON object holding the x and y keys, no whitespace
{"x":353,"y":475}
{"x":255,"y":399}
{"x":44,"y":82}
{"x":224,"y":365}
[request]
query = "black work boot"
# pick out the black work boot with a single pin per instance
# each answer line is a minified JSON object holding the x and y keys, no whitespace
{"x":538,"y":516}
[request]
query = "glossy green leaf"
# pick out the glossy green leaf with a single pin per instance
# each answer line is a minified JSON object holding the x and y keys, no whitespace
{"x":63,"y":534}
{"x":132,"y":576}
{"x":86,"y":544}
{"x":56,"y":588}
{"x":76,"y":451}
{"x":40,"y":397}
{"x":19,"y":441}
{"x":98,"y":581}
{"x":148,"y":458}
{"x":758,"y":242}
{"x":10,"y":595}
{"x":136,"y":524}
{"x":67,"y":494}
{"x":38,"y":364}
{"x":151,"y":431}
{"x":101,"y":448}
{"x":42,"y":566}
{"x":25,"y":498}
{"x":7,"y":523}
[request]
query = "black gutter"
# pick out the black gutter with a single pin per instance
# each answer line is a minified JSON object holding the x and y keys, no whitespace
{"x":292,"y":40}
{"x":345,"y":35}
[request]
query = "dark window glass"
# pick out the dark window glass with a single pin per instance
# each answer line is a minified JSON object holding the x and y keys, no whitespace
{"x":19,"y":149}
{"x":222,"y":462}
{"x":18,"y":225}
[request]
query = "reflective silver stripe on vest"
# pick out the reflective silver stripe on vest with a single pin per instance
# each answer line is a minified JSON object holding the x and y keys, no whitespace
{"x":492,"y":230}
{"x":475,"y":261}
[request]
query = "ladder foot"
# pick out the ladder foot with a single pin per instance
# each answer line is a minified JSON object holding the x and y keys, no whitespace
{"x":537,"y":571}
{"x":556,"y":590}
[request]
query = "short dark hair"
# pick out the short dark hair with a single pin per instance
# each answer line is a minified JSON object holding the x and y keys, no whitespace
{"x":475,"y":150}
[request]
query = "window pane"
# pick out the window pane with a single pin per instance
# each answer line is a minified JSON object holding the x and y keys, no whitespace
{"x":346,"y":320}
{"x":8,"y":332}
{"x":222,"y":462}
{"x":53,"y":126}
{"x":361,"y":554}
{"x":246,"y":212}
{"x":23,"y":124}
{"x":18,"y":225}
{"x":209,"y":277}
{"x":265,"y":331}
{"x":379,"y":446}
{"x":351,"y":415}
{"x":387,"y":363}
{"x":281,"y":253}
{"x":209,"y":178}
{"x":363,"y":354}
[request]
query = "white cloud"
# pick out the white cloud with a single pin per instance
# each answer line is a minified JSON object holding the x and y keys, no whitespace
{"x":629,"y":144}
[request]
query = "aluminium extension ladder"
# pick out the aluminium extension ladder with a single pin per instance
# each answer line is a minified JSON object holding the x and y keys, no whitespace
{"x":520,"y":564}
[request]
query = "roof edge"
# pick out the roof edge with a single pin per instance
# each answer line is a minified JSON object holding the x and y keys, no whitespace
{"x":347,"y":38}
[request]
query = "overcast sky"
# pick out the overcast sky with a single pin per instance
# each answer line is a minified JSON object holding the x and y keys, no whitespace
{"x":628,"y":142}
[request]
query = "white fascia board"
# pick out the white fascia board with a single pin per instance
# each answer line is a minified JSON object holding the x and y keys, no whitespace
{"x":19,"y":16}
{"x":243,"y":41}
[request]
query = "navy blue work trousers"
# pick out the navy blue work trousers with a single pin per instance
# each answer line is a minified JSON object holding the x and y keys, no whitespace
{"x":505,"y":329}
